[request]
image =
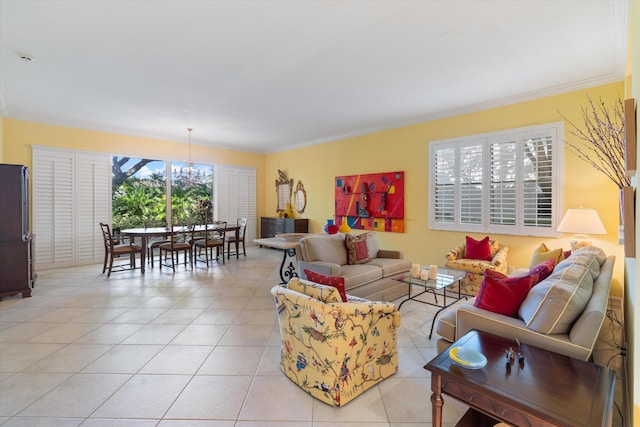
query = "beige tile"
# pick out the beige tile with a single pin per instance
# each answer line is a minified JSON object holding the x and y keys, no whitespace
{"x":20,"y":390}
{"x":114,"y":422}
{"x":211,"y":397}
{"x":154,"y":334}
{"x":139,"y":315}
{"x":279,"y":424}
{"x":42,"y":422}
{"x":144,"y":396}
{"x":65,"y":333}
{"x":256,"y":317}
{"x":406,"y":399}
{"x":110,"y":333}
{"x":217,"y":316}
{"x":19,"y":332}
{"x":195,"y":423}
{"x":70,"y":358}
{"x":264,"y":401}
{"x":183,"y":316}
{"x":78,"y":396}
{"x":177,"y":359}
{"x":411,"y":363}
{"x":123,"y":359}
{"x":16,"y":356}
{"x":232,"y":360}
{"x":200,"y":335}
{"x":364,"y":408}
{"x":270,"y":362}
{"x":246,"y":335}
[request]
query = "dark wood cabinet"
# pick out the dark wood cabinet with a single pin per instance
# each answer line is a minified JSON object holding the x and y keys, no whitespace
{"x":269,"y":227}
{"x":16,"y":242}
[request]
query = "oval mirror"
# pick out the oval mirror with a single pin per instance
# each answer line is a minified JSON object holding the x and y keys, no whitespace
{"x":300,"y":197}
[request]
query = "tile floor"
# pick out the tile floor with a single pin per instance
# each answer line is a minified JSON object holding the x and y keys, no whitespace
{"x":192,"y":349}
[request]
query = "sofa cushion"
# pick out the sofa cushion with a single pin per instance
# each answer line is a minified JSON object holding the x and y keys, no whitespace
{"x":543,"y":270}
{"x":327,"y":294}
{"x":325,"y":248}
{"x":391,"y":266}
{"x":543,"y":253}
{"x":334,"y":281}
{"x":477,"y":249}
{"x":373,"y":244}
{"x":503,"y":295}
{"x":554,"y":304}
{"x":359,"y":274}
{"x":357,"y":251}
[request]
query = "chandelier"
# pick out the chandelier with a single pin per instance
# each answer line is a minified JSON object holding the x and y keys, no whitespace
{"x":188,"y":175}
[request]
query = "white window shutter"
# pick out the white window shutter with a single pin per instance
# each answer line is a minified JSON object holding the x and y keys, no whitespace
{"x":444,"y":178}
{"x":502,"y":195}
{"x":93,"y":205}
{"x":235,"y":196}
{"x":53,"y":199}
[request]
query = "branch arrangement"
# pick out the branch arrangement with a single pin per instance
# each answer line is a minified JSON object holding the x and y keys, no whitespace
{"x":603,"y":140}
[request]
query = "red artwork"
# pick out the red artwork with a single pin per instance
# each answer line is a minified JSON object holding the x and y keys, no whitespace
{"x":371,"y":202}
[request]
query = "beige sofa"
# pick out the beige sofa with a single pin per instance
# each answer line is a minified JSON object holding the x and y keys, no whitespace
{"x":552,"y":315}
{"x":327,"y":254}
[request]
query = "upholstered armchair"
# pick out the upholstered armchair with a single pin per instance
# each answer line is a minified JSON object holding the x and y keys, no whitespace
{"x":456,"y":259}
{"x":331,"y":349}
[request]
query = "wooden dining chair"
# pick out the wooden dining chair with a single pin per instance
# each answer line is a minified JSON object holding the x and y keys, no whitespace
{"x":231,"y":239}
{"x":178,"y":243}
{"x":213,"y":239}
{"x":113,"y":251}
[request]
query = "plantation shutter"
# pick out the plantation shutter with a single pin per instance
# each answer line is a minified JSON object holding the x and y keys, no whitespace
{"x":502,"y":196}
{"x":444,"y":177}
{"x":235,"y":196}
{"x":538,"y":182}
{"x":93,"y":205}
{"x":471,"y":168}
{"x":71,"y":195}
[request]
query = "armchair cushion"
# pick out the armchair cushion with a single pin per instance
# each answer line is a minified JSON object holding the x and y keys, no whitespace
{"x":478,"y":249}
{"x":336,"y":282}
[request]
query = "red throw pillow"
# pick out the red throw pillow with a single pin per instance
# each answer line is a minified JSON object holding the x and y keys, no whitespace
{"x":357,"y":249}
{"x":478,"y":249}
{"x":543,"y":270}
{"x":501,"y":294}
{"x":335,"y":281}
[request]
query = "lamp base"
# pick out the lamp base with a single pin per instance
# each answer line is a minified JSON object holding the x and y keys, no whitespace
{"x":580,"y":241}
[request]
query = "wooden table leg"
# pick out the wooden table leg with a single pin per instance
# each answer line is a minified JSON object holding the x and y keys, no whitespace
{"x":436,"y":400}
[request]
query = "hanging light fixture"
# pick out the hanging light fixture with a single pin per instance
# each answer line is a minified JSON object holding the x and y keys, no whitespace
{"x":191,"y":175}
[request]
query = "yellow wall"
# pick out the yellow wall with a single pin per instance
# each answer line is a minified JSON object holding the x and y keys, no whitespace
{"x":19,"y":136}
{"x":406,"y":149}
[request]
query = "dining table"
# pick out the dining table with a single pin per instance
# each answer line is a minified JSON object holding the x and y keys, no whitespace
{"x":145,"y":232}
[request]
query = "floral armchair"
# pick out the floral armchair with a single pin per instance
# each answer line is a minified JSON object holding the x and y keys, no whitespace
{"x":474,"y":267}
{"x":331,"y":349}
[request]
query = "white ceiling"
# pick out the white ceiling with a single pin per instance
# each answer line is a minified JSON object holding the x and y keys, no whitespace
{"x":265,"y":76}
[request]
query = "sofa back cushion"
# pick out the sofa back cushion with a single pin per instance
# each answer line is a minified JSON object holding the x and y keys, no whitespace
{"x":554,"y":304}
{"x":333,"y":281}
{"x":325,"y":248}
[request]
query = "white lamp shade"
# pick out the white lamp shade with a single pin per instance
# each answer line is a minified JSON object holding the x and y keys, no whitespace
{"x":581,"y":221}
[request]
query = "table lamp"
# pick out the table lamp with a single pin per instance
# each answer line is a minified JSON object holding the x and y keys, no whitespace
{"x":581,"y":222}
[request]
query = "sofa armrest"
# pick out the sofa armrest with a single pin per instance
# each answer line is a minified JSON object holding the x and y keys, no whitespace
{"x":500,"y":258}
{"x":386,"y":253}
{"x":456,"y":253}
{"x":469,"y":317}
{"x":320,"y":267}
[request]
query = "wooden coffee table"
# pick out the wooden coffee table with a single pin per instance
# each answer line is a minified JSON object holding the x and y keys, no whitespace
{"x":546,"y":389}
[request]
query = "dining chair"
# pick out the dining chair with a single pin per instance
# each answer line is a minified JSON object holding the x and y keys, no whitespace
{"x":213,"y":238}
{"x":178,"y":243}
{"x":112,"y":251}
{"x":152,"y":246}
{"x":231,"y":239}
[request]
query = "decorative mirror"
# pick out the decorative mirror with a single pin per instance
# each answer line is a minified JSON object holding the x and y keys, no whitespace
{"x":300,"y":197}
{"x":284,"y":188}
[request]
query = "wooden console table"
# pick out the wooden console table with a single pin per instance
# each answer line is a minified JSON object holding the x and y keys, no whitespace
{"x":269,"y":227}
{"x":547,"y":389}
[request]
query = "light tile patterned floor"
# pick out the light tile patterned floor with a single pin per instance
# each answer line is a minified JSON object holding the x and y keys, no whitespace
{"x":198,"y":348}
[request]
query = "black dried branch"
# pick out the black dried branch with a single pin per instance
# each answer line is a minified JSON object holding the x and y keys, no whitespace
{"x":602,"y":139}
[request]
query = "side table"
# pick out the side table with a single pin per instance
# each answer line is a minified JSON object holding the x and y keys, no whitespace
{"x":545,"y":389}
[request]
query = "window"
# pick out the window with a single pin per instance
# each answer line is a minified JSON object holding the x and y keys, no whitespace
{"x":505,"y":182}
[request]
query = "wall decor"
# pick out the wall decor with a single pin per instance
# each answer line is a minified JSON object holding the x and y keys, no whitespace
{"x":284,"y":188}
{"x":371,"y":201}
{"x":630,"y":137}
